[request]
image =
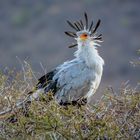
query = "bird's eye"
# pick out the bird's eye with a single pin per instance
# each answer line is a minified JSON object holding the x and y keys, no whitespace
{"x":85,"y":35}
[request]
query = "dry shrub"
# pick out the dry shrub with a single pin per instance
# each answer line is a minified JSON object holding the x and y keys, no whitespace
{"x":115,"y":116}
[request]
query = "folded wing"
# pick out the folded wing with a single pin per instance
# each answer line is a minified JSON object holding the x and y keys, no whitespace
{"x":74,"y":80}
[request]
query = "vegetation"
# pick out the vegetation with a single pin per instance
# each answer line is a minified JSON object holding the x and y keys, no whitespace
{"x":115,"y":116}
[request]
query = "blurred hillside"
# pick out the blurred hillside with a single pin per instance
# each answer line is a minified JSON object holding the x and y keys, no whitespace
{"x":34,"y":31}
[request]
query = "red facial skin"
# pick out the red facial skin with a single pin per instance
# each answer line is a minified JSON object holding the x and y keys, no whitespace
{"x":83,"y":36}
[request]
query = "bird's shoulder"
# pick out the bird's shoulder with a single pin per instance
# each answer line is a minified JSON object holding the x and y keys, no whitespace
{"x":45,"y":79}
{"x":72,"y":72}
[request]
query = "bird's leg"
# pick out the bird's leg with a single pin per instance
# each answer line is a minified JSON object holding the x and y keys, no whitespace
{"x":79,"y":102}
{"x":82,"y":102}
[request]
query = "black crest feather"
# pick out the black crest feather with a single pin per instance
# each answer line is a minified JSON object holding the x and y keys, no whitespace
{"x":72,"y":25}
{"x":86,"y":19}
{"x":71,"y":46}
{"x":97,"y":25}
{"x":79,"y":26}
{"x":99,"y":37}
{"x":76,"y":25}
{"x":91,"y":26}
{"x":82,"y":24}
{"x":71,"y":34}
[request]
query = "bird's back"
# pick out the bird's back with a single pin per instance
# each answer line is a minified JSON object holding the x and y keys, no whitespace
{"x":73,"y":80}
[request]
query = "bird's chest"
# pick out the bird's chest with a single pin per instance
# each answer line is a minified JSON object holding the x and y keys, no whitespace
{"x":89,"y":57}
{"x":93,"y":62}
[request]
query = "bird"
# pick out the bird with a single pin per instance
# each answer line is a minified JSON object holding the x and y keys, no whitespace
{"x":78,"y":79}
{"x":75,"y":81}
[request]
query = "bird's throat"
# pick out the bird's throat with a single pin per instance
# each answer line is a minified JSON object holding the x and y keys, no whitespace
{"x":89,"y":54}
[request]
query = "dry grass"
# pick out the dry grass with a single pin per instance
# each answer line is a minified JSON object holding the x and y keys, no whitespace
{"x":116,"y":116}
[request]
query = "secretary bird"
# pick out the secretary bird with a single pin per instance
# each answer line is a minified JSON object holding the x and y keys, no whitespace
{"x":77,"y":80}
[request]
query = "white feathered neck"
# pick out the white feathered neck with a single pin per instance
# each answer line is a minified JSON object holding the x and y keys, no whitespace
{"x":87,"y":52}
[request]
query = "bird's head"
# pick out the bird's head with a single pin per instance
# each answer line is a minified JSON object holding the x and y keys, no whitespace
{"x":84,"y":34}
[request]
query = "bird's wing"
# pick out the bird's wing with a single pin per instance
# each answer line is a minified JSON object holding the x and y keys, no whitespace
{"x":46,"y":82}
{"x":69,"y":82}
{"x":73,"y":79}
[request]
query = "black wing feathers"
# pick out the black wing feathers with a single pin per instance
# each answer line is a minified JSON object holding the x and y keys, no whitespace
{"x":47,"y":82}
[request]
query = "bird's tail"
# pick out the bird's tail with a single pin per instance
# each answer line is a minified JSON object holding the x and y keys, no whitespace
{"x":24,"y":104}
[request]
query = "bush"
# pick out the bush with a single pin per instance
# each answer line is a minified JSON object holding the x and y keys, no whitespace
{"x":115,"y":116}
